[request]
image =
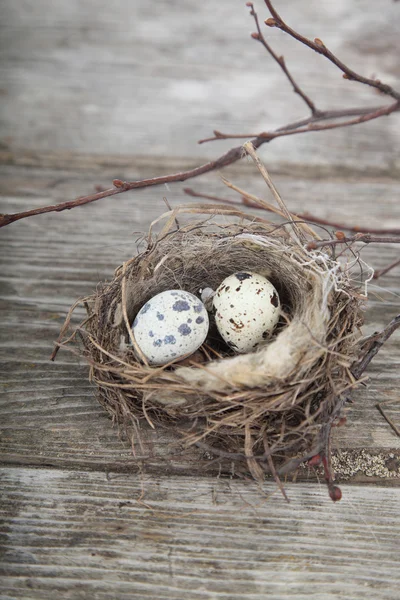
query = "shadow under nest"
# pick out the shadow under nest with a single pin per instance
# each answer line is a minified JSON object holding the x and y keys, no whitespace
{"x":263,"y":409}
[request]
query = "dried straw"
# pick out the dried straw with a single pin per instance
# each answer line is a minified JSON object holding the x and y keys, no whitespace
{"x":262,"y":408}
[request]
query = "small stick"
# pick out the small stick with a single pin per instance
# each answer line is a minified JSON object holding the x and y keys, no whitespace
{"x":170,"y":208}
{"x":361,"y":115}
{"x":65,"y":327}
{"x":250,"y":199}
{"x":252,"y":463}
{"x":281,"y":61}
{"x":374,"y":344}
{"x":125,"y":315}
{"x":385,"y":270}
{"x":387,"y":418}
{"x":339,"y":226}
{"x":273,"y":470}
{"x":248,"y":146}
{"x":303,"y":216}
{"x":365,"y":238}
{"x":309,"y":125}
{"x":318,"y":46}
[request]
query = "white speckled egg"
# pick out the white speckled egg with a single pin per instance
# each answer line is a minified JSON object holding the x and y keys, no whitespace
{"x":247,"y":308}
{"x":170,"y":325}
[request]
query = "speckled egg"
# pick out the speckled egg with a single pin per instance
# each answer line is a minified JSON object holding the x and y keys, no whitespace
{"x":247,"y":308}
{"x":171,"y":325}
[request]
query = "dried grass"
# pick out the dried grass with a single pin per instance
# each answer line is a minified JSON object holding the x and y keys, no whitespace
{"x":263,"y":408}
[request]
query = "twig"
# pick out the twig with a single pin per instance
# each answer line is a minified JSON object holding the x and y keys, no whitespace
{"x":273,"y":469}
{"x":303,"y":216}
{"x":309,"y":124}
{"x":233,"y":155}
{"x":281,"y":61}
{"x":249,"y":148}
{"x":170,"y":208}
{"x":385,"y":270}
{"x":387,"y":418}
{"x":318,"y":46}
{"x":126,"y":320}
{"x":339,"y":226}
{"x":322,"y":451}
{"x":373,"y":345}
{"x":370,"y":115}
{"x":360,"y":115}
{"x":365,"y":238}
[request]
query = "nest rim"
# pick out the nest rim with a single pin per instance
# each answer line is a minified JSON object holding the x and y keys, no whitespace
{"x":255,"y":422}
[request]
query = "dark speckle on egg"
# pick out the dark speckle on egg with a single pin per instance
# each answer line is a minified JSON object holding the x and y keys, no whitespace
{"x":145,"y":308}
{"x":169,"y":329}
{"x":243,"y":276}
{"x":180,"y":305}
{"x":274,"y":300}
{"x":184,"y":329}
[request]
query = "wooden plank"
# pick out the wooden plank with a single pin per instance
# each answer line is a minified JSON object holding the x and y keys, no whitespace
{"x":124,"y":91}
{"x":48,"y":414}
{"x":83,"y":534}
{"x":123,"y":80}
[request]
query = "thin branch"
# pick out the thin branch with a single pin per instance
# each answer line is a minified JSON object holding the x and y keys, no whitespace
{"x":311,"y":125}
{"x":387,"y":418}
{"x":301,"y":216}
{"x":318,"y":46}
{"x":234,"y":154}
{"x":373,"y":345}
{"x":226,"y":159}
{"x":322,"y":450}
{"x":273,"y":469}
{"x":249,"y":148}
{"x":365,"y":238}
{"x":280,"y":60}
{"x":385,"y":270}
{"x":339,"y":226}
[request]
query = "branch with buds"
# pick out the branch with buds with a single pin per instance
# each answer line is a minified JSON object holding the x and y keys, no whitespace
{"x":318,"y":120}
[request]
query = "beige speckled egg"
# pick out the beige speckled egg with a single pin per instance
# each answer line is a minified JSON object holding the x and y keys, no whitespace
{"x":170,"y":325}
{"x":247,"y":308}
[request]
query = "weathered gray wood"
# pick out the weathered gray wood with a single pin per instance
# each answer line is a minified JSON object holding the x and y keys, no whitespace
{"x":48,"y":412}
{"x":124,"y":78}
{"x":83,"y":534}
{"x":96,"y":91}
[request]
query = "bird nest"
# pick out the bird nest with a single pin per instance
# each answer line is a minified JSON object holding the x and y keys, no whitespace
{"x":264,"y":408}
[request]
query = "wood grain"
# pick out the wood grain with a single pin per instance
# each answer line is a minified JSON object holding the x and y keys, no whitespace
{"x":83,"y":534}
{"x":91,"y":92}
{"x":124,"y":79}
